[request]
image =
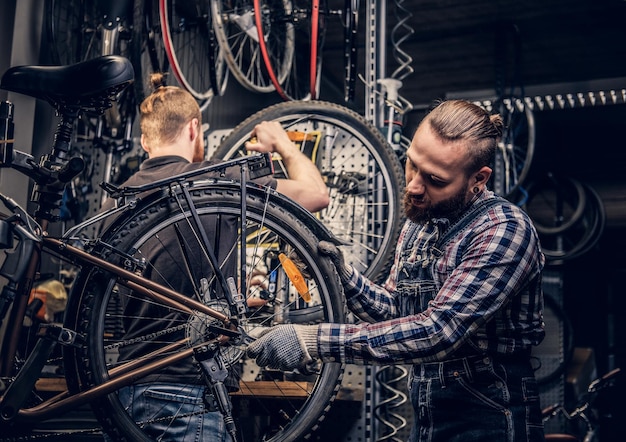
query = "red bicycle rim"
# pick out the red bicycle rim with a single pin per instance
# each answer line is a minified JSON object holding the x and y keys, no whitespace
{"x":315,"y":14}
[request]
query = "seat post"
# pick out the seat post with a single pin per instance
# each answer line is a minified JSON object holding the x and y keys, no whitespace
{"x":48,"y":191}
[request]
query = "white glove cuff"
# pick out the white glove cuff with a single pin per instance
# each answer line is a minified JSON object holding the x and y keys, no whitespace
{"x":307,"y":334}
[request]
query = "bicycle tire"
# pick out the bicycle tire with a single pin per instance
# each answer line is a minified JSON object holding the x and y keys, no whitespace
{"x":362,"y":171}
{"x":148,"y":51}
{"x":238,"y":38}
{"x":290,"y":36}
{"x":516,"y":148}
{"x":188,"y":38}
{"x":71,"y":31}
{"x":580,"y":237}
{"x":278,"y":53}
{"x":274,"y":223}
{"x":556,"y":203}
{"x":316,"y":48}
{"x":75,"y":32}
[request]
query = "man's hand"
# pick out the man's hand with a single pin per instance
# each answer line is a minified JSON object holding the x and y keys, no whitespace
{"x":336,"y":256}
{"x":269,"y":136}
{"x":285,"y":347}
{"x":304,"y":182}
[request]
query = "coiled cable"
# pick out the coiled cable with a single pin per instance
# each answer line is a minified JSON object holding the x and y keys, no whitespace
{"x":399,"y":34}
{"x":388,"y":377}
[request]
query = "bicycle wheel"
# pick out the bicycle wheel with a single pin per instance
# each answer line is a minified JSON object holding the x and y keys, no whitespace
{"x":515,"y":149}
{"x":268,"y":404}
{"x":363,"y":174}
{"x":238,"y":38}
{"x":72,"y":33}
{"x":292,"y":34}
{"x":148,"y":51}
{"x":76,"y":32}
{"x":316,"y":45}
{"x":555,"y":203}
{"x":569,"y":216}
{"x":191,"y":49}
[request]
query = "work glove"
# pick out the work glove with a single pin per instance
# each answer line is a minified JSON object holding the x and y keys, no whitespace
{"x":286,"y":347}
{"x":336,"y":256}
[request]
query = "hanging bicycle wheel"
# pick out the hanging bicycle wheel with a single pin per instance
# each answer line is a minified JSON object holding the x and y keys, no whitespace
{"x":569,"y":216}
{"x":515,"y":149}
{"x":555,"y":203}
{"x":148,"y":54}
{"x":191,"y":48}
{"x":159,"y":235}
{"x":318,"y":28}
{"x":238,"y":38}
{"x":79,"y":30}
{"x":291,"y":35}
{"x":361,"y":170}
{"x":71,"y":28}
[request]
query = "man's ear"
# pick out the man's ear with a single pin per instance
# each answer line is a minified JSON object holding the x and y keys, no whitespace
{"x":482,"y":176}
{"x":145,"y":146}
{"x":194,"y":129}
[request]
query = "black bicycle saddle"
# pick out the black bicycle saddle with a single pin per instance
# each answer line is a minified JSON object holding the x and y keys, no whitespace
{"x":89,"y":85}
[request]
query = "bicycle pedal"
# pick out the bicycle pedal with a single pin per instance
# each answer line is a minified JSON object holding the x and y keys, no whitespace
{"x":59,"y":334}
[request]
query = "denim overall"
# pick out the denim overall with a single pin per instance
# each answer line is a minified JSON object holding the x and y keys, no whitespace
{"x":474,"y":397}
{"x":415,"y":285}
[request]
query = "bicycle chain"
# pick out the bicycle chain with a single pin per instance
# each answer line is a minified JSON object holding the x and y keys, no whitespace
{"x":145,"y":338}
{"x":53,"y":435}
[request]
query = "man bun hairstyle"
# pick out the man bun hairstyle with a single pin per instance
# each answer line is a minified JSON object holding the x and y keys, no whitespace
{"x":166,"y":111}
{"x":157,"y":80}
{"x":469,"y":123}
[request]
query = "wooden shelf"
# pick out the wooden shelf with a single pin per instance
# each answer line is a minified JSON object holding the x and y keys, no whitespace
{"x":259,"y":389}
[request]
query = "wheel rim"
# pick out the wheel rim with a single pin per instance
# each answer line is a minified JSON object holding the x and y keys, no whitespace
{"x":361,"y":171}
{"x":186,"y":36}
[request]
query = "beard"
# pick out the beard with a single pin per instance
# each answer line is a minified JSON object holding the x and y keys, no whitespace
{"x":450,"y":208}
{"x":198,"y":151}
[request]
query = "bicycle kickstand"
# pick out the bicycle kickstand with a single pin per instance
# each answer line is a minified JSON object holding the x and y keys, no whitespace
{"x":215,"y":374}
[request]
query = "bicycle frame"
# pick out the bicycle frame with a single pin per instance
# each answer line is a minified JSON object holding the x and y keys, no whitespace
{"x":199,"y":319}
{"x":20,"y":267}
{"x":12,"y":401}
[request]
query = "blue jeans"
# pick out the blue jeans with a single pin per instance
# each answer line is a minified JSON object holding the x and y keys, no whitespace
{"x":146,"y":402}
{"x":475,"y":399}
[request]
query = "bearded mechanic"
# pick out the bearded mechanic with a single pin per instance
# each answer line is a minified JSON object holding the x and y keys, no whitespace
{"x":463,"y":302}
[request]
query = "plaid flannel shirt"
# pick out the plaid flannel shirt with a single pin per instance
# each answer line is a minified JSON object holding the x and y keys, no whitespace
{"x":489,"y":299}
